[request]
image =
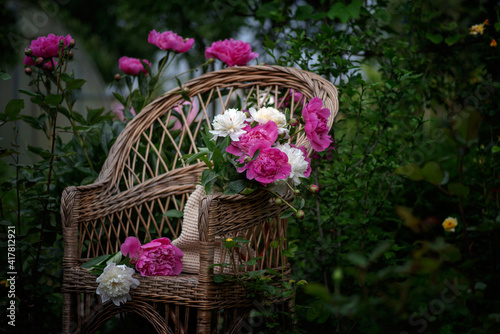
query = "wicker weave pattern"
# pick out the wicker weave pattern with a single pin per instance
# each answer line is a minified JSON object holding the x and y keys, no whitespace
{"x":144,"y":176}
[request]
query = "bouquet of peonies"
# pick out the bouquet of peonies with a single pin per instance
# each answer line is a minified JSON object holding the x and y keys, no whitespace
{"x":250,"y":149}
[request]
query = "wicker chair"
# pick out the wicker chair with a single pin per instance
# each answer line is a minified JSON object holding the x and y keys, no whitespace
{"x":145,"y":176}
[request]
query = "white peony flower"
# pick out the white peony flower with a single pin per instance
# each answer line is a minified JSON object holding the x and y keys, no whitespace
{"x":115,"y":283}
{"x":297,"y":161}
{"x":231,"y":124}
{"x":270,"y":114}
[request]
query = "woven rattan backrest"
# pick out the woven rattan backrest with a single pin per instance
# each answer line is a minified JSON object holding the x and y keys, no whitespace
{"x":145,"y":175}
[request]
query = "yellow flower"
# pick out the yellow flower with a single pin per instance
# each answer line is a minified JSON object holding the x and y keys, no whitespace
{"x":229,"y":239}
{"x":449,"y":224}
{"x":493,"y":43}
{"x":477,"y":29}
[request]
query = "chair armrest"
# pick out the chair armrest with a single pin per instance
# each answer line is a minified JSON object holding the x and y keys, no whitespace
{"x":222,"y":216}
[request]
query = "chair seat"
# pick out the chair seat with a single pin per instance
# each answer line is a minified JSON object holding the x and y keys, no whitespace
{"x":184,"y":289}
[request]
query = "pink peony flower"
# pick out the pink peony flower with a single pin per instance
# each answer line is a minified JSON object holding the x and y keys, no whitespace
{"x":296,"y":96}
{"x":192,"y":116}
{"x":48,"y":47}
{"x":132,"y":66}
{"x":232,"y":52}
{"x":28,"y":61}
{"x":260,"y":133}
{"x":160,"y":258}
{"x":271,"y":164}
{"x":117,"y":110}
{"x":132,"y":247}
{"x":316,"y":124}
{"x":169,"y":40}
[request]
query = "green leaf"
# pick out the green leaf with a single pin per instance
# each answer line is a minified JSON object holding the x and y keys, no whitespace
{"x":27,"y":92}
{"x":497,"y":26}
{"x":207,"y":176}
{"x":235,"y":187}
{"x":35,"y":122}
{"x":433,"y":173}
{"x":495,"y":149}
{"x":253,"y":261}
{"x":434,"y":38}
{"x":4,"y":76}
{"x":115,"y":258}
{"x":357,"y":259}
{"x":411,"y":171}
{"x":143,"y":84}
{"x":354,"y":8}
{"x":14,"y":107}
{"x":269,"y":10}
{"x":303,"y":12}
{"x":340,"y":11}
{"x":75,"y":84}
{"x":53,"y":99}
{"x":219,"y":278}
{"x":458,"y":189}
{"x":450,"y":40}
{"x":174,"y":214}
{"x":317,"y":312}
{"x":120,"y":98}
{"x":39,"y":151}
{"x":106,"y":137}
{"x":95,"y":261}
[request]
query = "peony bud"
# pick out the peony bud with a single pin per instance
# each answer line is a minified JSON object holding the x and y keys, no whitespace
{"x":186,"y":91}
{"x":294,"y":121}
{"x":211,"y":60}
{"x":28,"y":52}
{"x":70,"y":55}
{"x":313,"y":188}
{"x":297,"y":192}
{"x":39,"y":61}
{"x":278,"y":201}
{"x":28,"y":70}
{"x":72,"y":43}
{"x":247,"y":159}
{"x":118,"y":77}
{"x":300,"y":214}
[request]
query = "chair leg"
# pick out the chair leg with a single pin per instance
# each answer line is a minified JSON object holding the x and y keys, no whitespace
{"x":68,"y":314}
{"x":204,"y":322}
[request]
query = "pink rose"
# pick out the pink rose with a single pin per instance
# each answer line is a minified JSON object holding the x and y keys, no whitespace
{"x":169,"y":40}
{"x":267,"y":132}
{"x":271,"y":164}
{"x":160,"y":258}
{"x":231,"y":52}
{"x":48,"y":47}
{"x":132,"y":66}
{"x":316,"y":124}
{"x":132,"y":247}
